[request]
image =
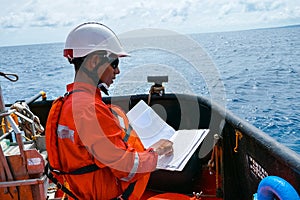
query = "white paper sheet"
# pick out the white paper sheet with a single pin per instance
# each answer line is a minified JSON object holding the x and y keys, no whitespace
{"x":151,"y":128}
{"x":148,"y":124}
{"x":185,"y":143}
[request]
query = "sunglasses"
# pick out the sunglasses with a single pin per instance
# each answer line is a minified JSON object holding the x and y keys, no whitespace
{"x":115,"y":63}
{"x":111,"y":58}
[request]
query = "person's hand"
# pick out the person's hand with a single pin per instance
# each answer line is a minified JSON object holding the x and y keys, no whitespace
{"x":163,"y":147}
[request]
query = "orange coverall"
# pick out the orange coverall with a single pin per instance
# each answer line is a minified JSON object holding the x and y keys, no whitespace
{"x":88,"y":133}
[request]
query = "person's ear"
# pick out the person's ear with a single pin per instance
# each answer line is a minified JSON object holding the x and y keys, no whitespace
{"x":94,"y":61}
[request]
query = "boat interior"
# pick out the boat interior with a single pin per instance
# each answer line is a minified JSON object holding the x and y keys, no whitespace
{"x":229,"y":164}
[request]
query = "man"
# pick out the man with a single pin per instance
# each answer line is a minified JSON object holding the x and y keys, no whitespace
{"x":97,"y":157}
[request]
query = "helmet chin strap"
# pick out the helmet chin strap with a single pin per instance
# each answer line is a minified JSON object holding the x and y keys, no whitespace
{"x":103,"y":87}
{"x":94,"y":76}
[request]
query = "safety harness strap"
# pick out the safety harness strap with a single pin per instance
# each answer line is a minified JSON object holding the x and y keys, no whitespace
{"x":82,"y":170}
{"x":126,"y":193}
{"x":126,"y":129}
{"x":59,"y":185}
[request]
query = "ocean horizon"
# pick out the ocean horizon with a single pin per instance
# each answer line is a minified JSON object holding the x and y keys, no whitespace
{"x":259,"y":70}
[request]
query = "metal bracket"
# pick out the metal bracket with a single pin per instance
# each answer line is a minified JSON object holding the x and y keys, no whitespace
{"x":157,"y":88}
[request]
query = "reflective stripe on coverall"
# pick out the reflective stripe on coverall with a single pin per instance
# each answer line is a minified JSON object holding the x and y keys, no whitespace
{"x":131,"y":138}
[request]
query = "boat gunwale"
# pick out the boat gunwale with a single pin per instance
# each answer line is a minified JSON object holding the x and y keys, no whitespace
{"x":277,"y":149}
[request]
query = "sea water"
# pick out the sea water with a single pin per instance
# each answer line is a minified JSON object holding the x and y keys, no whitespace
{"x":258,"y":70}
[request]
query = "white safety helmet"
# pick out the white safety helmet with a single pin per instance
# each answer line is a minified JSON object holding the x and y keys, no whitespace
{"x":90,"y":37}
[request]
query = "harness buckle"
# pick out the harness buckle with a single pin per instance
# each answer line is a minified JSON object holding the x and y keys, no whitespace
{"x":120,"y":197}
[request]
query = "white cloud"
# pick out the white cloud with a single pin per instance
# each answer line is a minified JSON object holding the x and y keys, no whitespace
{"x":184,"y":16}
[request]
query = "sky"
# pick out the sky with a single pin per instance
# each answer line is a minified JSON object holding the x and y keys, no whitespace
{"x":46,"y":21}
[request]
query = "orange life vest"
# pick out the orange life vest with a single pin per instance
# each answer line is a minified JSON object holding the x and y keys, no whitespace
{"x":130,"y":138}
{"x":51,"y":135}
